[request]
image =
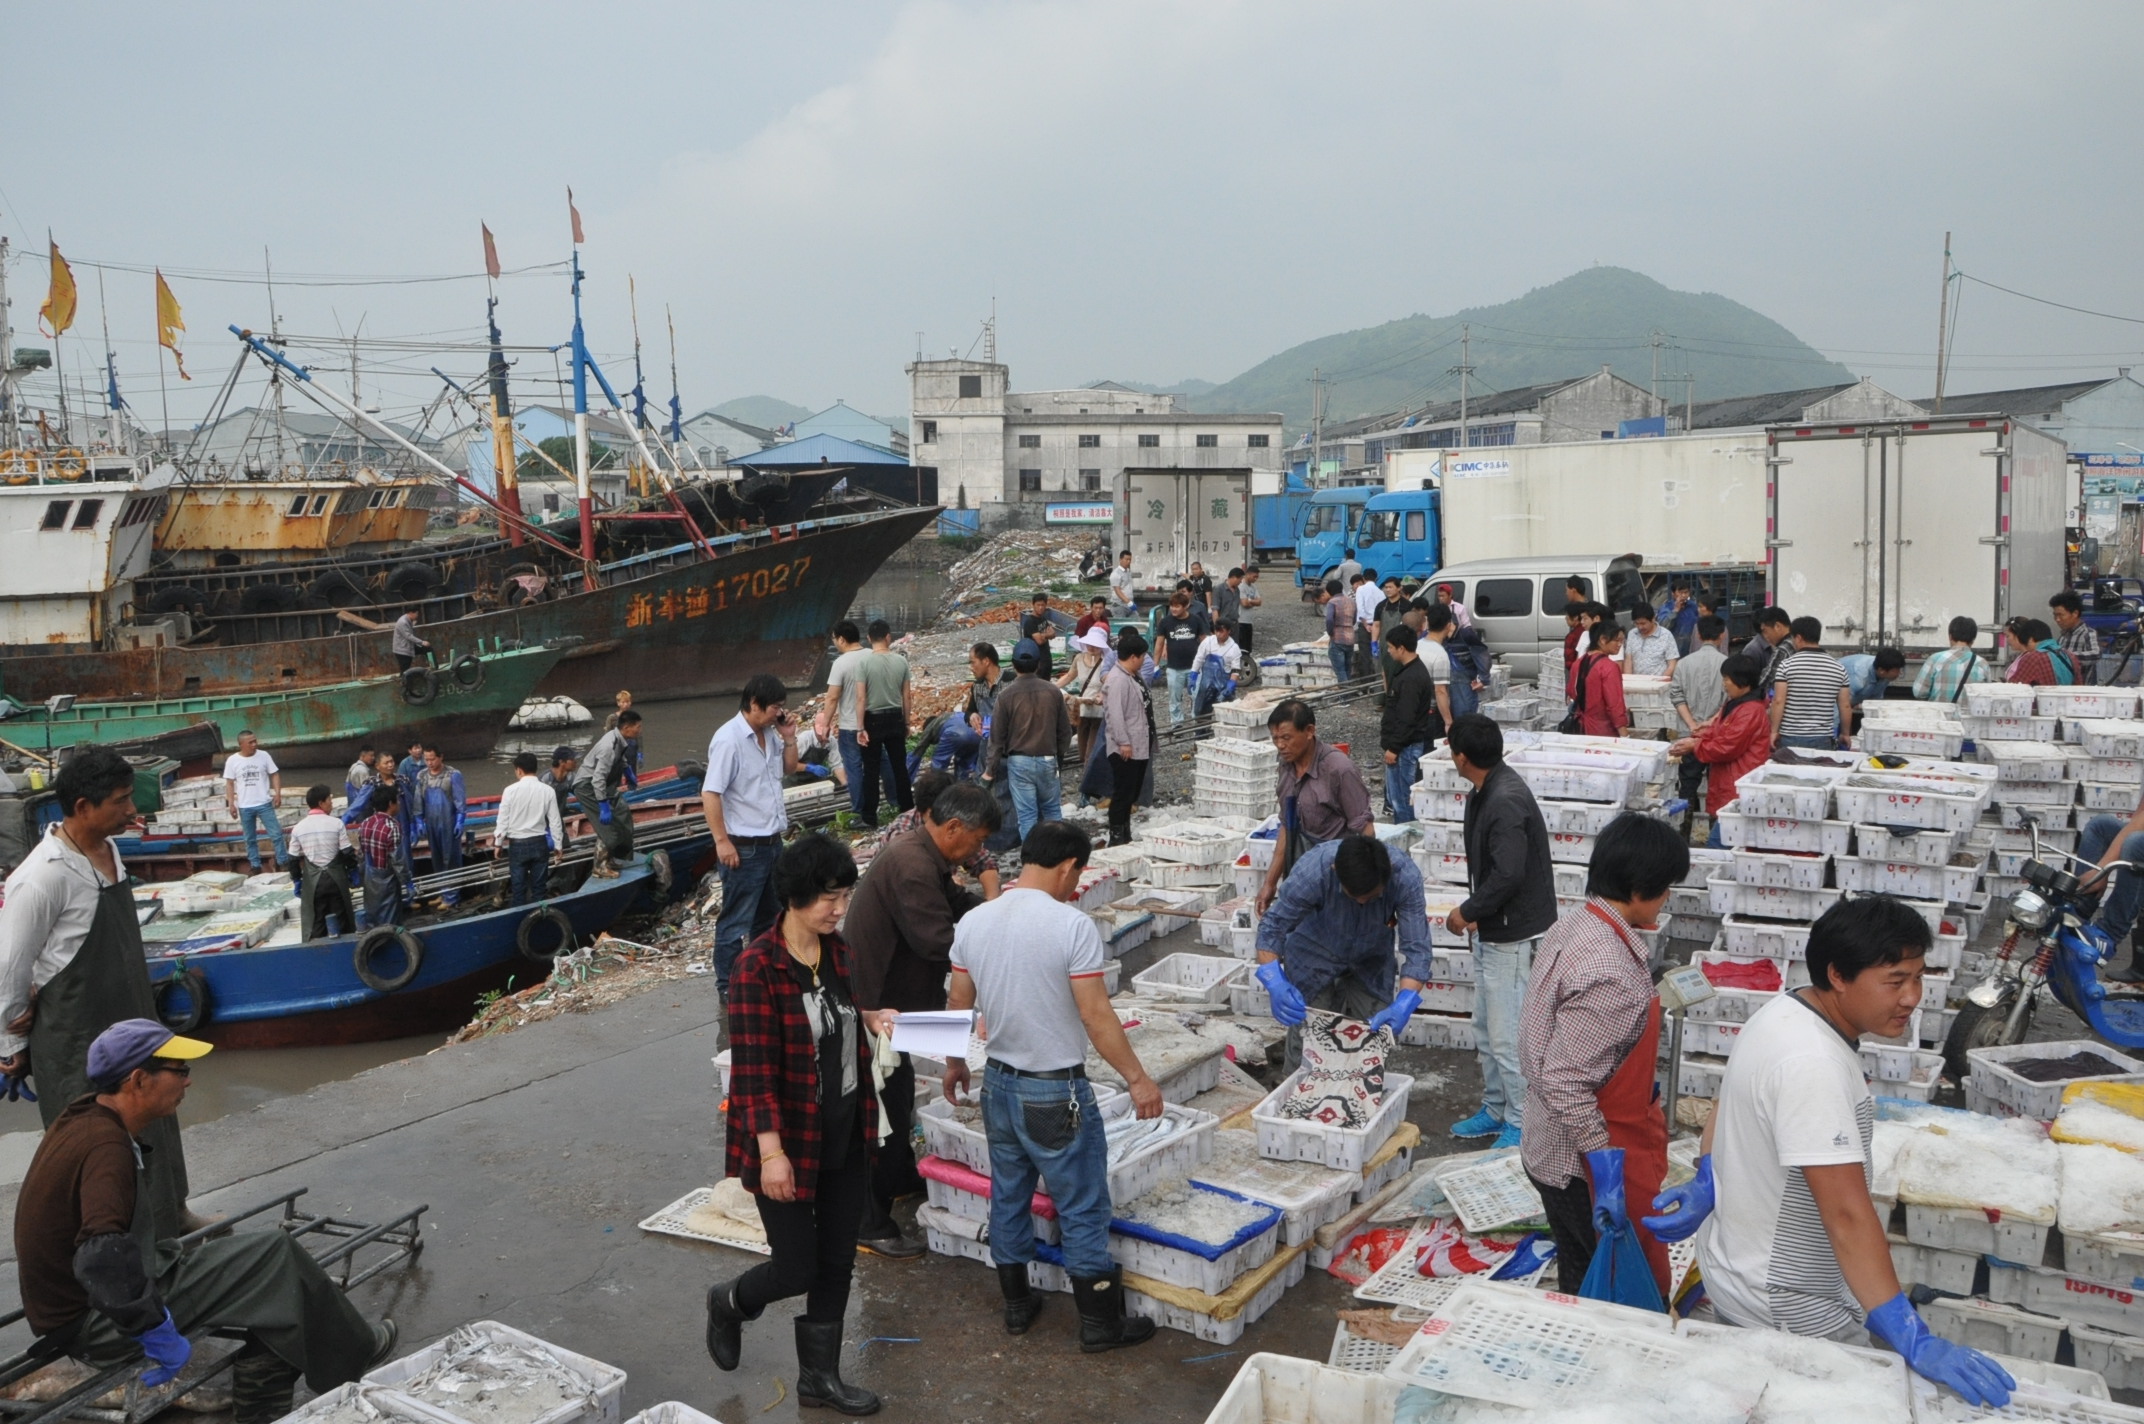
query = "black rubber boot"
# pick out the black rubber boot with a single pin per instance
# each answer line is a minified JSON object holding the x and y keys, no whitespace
{"x":1022,"y":1305}
{"x":1103,"y":1325}
{"x":725,"y":1324}
{"x":2133,"y":971}
{"x":261,"y":1385}
{"x":387,"y":1333}
{"x":819,"y":1382}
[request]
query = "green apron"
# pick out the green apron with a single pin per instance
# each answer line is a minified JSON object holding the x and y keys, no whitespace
{"x":325,"y":888}
{"x":106,"y":981}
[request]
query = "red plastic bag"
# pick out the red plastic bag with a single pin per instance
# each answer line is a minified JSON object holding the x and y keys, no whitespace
{"x":1360,"y":1258}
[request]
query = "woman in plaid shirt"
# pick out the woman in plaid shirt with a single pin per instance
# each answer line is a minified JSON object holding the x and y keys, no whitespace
{"x":803,"y":1119}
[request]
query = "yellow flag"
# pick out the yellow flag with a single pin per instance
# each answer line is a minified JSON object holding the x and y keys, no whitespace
{"x":57,"y":314}
{"x":169,"y":323}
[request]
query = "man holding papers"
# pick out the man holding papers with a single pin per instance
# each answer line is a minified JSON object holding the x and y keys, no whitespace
{"x":1033,"y":963}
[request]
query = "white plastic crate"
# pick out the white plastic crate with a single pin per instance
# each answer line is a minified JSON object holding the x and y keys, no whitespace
{"x":1699,"y":1075}
{"x":1998,"y":1329}
{"x":1453,"y":1031}
{"x":2086,"y":702}
{"x":1448,"y":998}
{"x":1358,"y":1352}
{"x":1731,"y":897}
{"x":1537,"y":1350}
{"x":946,"y":1136}
{"x":1729,"y":1005}
{"x":1713,"y":1037}
{"x":1997,"y":699}
{"x":2111,"y":1260}
{"x":2012,"y":1095}
{"x":1254,"y":754}
{"x":1782,"y":870}
{"x":1492,"y":1193}
{"x":1175,"y":1156}
{"x":2011,"y":729}
{"x":672,"y":1412}
{"x":1569,"y":849}
{"x":1795,"y":793}
{"x":1793,"y":973}
{"x":1452,"y":965}
{"x":2006,"y":1238}
{"x":1949,"y":1271}
{"x":1577,"y":818}
{"x":1741,"y":831}
{"x":390,"y":1405}
{"x":2112,"y":737}
{"x":1247,"y":998}
{"x":606,"y":1383}
{"x":1192,"y":843}
{"x":2046,"y":1292}
{"x":1905,"y":801}
{"x":2026,"y":761}
{"x":2046,"y":796}
{"x":1439,"y":805}
{"x":1779,"y":1348}
{"x":1202,"y":1325}
{"x":1163,"y":1256}
{"x":1559,"y":775}
{"x":1934,"y":739}
{"x":1224,"y":806}
{"x":2115,"y":1357}
{"x":1341,"y":1148}
{"x":1445,"y":867}
{"x":2112,"y":796}
{"x":1170,"y":875}
{"x":1193,"y":978}
{"x":1897,"y":877}
{"x":1306,"y":1195}
{"x":1905,"y":846}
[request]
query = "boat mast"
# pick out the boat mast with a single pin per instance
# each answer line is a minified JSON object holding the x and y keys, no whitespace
{"x":502,"y":430}
{"x":582,"y":494}
{"x":10,"y":417}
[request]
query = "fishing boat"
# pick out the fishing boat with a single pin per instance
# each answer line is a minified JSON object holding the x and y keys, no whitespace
{"x":359,"y":988}
{"x":462,"y":708}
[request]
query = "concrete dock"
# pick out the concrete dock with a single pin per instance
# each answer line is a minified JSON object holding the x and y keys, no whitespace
{"x":540,"y":1151}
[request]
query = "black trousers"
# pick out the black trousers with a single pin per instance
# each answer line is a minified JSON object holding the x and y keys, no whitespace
{"x":889,"y":738}
{"x":1688,"y":778}
{"x":895,"y":1176}
{"x":1243,"y":636}
{"x":1128,"y":778}
{"x":1569,"y":1209}
{"x":814,"y":1241}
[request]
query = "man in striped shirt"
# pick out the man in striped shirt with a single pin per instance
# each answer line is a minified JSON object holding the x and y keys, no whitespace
{"x":1946,"y":675}
{"x":317,"y":844}
{"x":2077,"y":637}
{"x":1813,"y":705}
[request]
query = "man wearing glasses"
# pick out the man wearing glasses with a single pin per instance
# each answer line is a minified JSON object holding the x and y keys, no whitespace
{"x":96,"y":1275}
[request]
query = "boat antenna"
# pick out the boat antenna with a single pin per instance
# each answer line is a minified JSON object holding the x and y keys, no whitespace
{"x":677,"y":410}
{"x":113,"y":401}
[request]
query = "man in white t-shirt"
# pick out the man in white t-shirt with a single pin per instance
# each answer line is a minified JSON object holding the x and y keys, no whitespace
{"x":1120,"y":585}
{"x":837,"y":722}
{"x":1033,"y":964}
{"x":1792,"y":1241}
{"x":252,"y":785}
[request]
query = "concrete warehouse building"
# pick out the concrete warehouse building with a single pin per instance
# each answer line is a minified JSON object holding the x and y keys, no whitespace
{"x":1031,"y":447}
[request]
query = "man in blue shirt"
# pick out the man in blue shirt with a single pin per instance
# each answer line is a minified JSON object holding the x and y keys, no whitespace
{"x":1679,"y":616}
{"x":1327,"y":942}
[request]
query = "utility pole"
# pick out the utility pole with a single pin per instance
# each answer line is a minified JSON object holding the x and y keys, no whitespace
{"x":1942,"y":324}
{"x":1317,"y":424}
{"x":1656,"y":363}
{"x":1464,"y":370}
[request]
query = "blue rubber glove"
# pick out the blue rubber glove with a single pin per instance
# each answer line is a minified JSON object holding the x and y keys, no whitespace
{"x":603,"y":812}
{"x":1605,"y":1168}
{"x":168,"y":1352}
{"x":1288,"y":1006}
{"x":1685,"y":1207}
{"x":1395,"y":1015}
{"x":1977,"y":1379}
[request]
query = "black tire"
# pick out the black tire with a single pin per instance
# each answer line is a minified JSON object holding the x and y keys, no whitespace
{"x":185,"y":1020}
{"x":541,"y":925}
{"x":1976,"y":1027}
{"x":692,"y":771}
{"x":336,"y":590}
{"x":419,"y":686}
{"x":409,"y":583}
{"x":181,"y":598}
{"x":515,"y":595}
{"x":380,"y":937}
{"x":268,"y":598}
{"x":468,"y":672}
{"x":665,"y":874}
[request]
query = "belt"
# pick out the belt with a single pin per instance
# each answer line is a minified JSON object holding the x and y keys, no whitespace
{"x":755,"y":840}
{"x":1056,"y":1075}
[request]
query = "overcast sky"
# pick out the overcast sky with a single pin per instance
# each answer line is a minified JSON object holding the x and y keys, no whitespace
{"x":1149,"y":190}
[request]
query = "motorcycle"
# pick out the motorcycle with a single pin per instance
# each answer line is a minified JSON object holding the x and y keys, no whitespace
{"x":2050,"y":948}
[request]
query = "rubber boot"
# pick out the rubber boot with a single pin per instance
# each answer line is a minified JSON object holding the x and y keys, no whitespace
{"x":261,"y":1385}
{"x":1022,"y":1305}
{"x":603,"y":869}
{"x":1103,"y":1325}
{"x":725,"y":1324}
{"x":385,"y":1334}
{"x":819,"y":1381}
{"x":2133,"y":971}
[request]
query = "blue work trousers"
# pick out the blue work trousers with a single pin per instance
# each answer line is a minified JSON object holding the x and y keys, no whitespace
{"x":1342,"y":656}
{"x":1077,"y":1171}
{"x":1399,"y":782}
{"x":957,"y":748}
{"x":2118,"y":907}
{"x":748,"y":904}
{"x":260,"y":820}
{"x":1035,"y":788}
{"x":528,"y":863}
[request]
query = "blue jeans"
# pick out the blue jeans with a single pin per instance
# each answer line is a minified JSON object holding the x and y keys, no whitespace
{"x":748,"y":905}
{"x":957,"y":746}
{"x":260,"y":820}
{"x":528,"y":866}
{"x":1342,"y":657}
{"x":1179,"y":692}
{"x":1035,"y":787}
{"x":2125,"y":892}
{"x":1399,"y":783}
{"x":1820,"y":744}
{"x":1712,"y":837}
{"x":1500,"y":975}
{"x":1077,"y":1173}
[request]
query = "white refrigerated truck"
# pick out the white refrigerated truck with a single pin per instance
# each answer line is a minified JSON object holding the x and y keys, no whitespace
{"x":1886,"y":532}
{"x":1168,"y":517}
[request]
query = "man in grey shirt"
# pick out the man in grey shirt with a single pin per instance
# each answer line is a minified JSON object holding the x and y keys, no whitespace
{"x":881,"y":701}
{"x":600,"y":788}
{"x":840,"y":719}
{"x":1697,"y":694}
{"x":1033,"y":963}
{"x":406,"y":643}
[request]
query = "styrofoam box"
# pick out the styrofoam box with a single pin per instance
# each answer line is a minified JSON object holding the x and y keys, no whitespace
{"x":2016,"y":1096}
{"x":1780,"y":870}
{"x":1947,"y":1228}
{"x":1731,"y":897}
{"x":1950,"y":1271}
{"x":1909,"y":847}
{"x":1919,"y":882}
{"x":2112,"y":737}
{"x":1998,"y":1329}
{"x":2086,"y":703}
{"x":1997,"y":699}
{"x":1202,"y":1326}
{"x":606,"y":1383}
{"x":1741,"y":831}
{"x":2046,"y":1292}
{"x":1341,"y":1148}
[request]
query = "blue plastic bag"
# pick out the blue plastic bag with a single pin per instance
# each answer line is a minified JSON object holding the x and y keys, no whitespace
{"x":1620,"y":1273}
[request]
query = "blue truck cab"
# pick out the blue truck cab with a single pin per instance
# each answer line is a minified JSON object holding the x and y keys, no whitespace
{"x":1328,"y":531}
{"x":1400,"y":534}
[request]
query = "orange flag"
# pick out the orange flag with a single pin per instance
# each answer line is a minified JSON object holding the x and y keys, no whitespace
{"x":576,"y":212}
{"x":491,"y":254}
{"x":169,"y":323}
{"x":57,"y":314}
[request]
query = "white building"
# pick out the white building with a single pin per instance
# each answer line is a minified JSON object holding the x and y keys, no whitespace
{"x":1002,"y":446}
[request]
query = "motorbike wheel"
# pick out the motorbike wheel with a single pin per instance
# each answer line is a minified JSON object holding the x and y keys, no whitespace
{"x":1976,"y":1027}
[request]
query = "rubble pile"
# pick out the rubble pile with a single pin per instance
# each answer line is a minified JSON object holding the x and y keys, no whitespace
{"x":1018,"y":561}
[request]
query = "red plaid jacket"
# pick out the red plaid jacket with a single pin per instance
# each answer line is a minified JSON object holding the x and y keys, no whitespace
{"x":774,"y":1062}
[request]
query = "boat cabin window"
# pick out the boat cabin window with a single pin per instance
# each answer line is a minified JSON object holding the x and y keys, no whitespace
{"x":320,"y":504}
{"x":374,"y":501}
{"x":86,"y":516}
{"x":297,"y":507}
{"x":394,"y":497}
{"x":56,"y":514}
{"x":351,"y":501}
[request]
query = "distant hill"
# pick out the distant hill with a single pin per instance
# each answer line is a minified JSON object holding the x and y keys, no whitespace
{"x":1603,"y":315}
{"x":764,"y":411}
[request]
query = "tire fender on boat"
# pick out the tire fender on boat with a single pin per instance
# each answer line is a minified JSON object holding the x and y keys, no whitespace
{"x":195,"y":983}
{"x":419,"y":686}
{"x":540,"y":925}
{"x":378,"y":938}
{"x":665,"y":874}
{"x":468,"y":672}
{"x":412,"y":581}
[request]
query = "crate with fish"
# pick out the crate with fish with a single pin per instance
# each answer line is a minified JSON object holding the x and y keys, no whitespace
{"x":1882,"y":799}
{"x":2025,"y":761}
{"x":1306,"y":1194}
{"x":1731,"y":897}
{"x":360,"y":1403}
{"x":2087,"y":702}
{"x":1740,"y":830}
{"x":1953,"y":880}
{"x":1144,"y":1152}
{"x":1182,"y":1060}
{"x":966,"y":1238}
{"x":1801,"y":792}
{"x":1193,"y":843}
{"x":1803,"y":1380}
{"x":1573,"y":774}
{"x":1780,"y":870}
{"x":1193,"y":978}
{"x":2028,"y":1079}
{"x":489,"y":1373}
{"x":1548,"y":1353}
{"x":1217,"y":1319}
{"x":1342,"y":1129}
{"x":1969,"y":1182}
{"x":1193,"y":1235}
{"x":1997,"y":699}
{"x":2112,"y":737}
{"x":1171,"y":875}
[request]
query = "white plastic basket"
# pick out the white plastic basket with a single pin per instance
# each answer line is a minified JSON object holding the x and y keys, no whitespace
{"x":1731,"y":897}
{"x":1885,"y":1373}
{"x":1307,"y":1196}
{"x":1537,"y":1350}
{"x":1358,"y":1353}
{"x":1257,"y":754}
{"x":2026,"y":761}
{"x":1935,"y":739}
{"x":1193,"y":843}
{"x":1788,"y":792}
{"x":1173,"y":875}
{"x":1577,"y":818}
{"x":1920,"y":882}
{"x":1907,"y":801}
{"x":1780,"y":870}
{"x":1908,"y":846}
{"x":1193,"y":978}
{"x":1176,"y":1156}
{"x":2116,"y":1358}
{"x":1202,"y":1325}
{"x":1454,"y":997}
{"x":2084,"y":702}
{"x":2044,"y":1292}
{"x":1997,"y":699}
{"x":2113,"y":737}
{"x":2114,"y":796}
{"x":2010,"y":1094}
{"x":1345,"y":1149}
{"x":1741,"y":831}
{"x":1175,"y":1265}
{"x":1558,"y":776}
{"x":605,"y":1383}
{"x":1995,"y":1329}
{"x":1950,"y":1228}
{"x":2010,"y":729}
{"x":1492,"y":1193}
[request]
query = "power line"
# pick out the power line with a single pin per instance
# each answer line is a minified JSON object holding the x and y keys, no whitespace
{"x":2049,"y":302}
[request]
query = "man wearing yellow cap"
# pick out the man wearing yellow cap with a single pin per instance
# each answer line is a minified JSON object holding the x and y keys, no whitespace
{"x":94,"y":1274}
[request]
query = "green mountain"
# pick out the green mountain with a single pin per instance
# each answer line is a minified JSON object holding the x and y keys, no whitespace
{"x":763,"y":411}
{"x":1601,"y":316}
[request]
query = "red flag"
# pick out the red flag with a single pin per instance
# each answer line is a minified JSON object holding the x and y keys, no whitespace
{"x":491,"y":254}
{"x":576,"y":212}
